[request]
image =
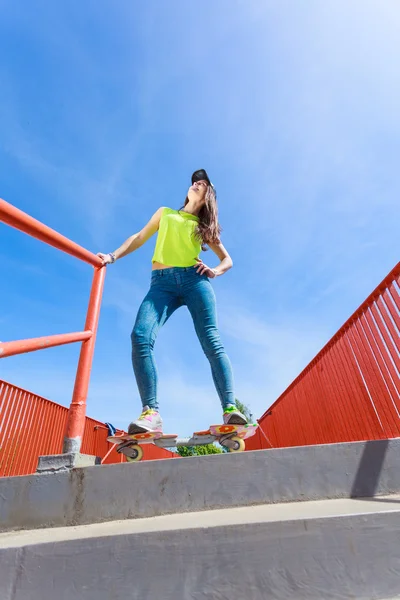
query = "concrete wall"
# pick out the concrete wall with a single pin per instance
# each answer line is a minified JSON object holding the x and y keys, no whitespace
{"x":103,"y":493}
{"x":333,"y":558}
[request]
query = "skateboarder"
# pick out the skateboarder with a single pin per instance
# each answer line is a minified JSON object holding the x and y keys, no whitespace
{"x":179,"y":277}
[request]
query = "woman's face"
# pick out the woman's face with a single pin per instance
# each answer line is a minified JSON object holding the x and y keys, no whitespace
{"x":198,"y":191}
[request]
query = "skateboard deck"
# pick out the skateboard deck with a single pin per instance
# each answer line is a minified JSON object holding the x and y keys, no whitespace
{"x":146,"y":437}
{"x":242,"y":431}
{"x":231,"y":436}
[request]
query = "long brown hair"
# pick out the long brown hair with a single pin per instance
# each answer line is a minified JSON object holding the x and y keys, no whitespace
{"x":208,"y":230}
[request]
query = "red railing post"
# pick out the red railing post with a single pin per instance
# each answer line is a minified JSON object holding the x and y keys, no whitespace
{"x":14,"y":217}
{"x":77,"y":410}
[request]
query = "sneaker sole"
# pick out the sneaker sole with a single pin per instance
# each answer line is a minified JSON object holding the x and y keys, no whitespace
{"x":236,"y":420}
{"x":136,"y":429}
{"x":132,"y":429}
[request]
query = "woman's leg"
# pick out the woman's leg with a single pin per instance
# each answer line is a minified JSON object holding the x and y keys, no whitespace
{"x":156,"y":308}
{"x":200,"y":300}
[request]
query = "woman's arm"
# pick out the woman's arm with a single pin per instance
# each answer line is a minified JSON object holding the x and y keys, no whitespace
{"x":224,"y":266}
{"x":223,"y":255}
{"x":135,"y":241}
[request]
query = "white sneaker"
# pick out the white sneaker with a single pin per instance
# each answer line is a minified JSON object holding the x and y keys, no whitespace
{"x":149,"y":420}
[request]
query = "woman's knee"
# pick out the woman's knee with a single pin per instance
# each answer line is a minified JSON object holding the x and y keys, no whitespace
{"x":140,"y":336}
{"x":212,"y":344}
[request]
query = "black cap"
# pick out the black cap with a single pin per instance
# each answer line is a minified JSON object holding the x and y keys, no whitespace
{"x":199,"y":175}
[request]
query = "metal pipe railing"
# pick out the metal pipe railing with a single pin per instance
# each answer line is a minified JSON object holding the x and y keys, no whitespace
{"x":16,"y":218}
{"x":77,"y":410}
{"x":49,"y":341}
{"x":75,"y":425}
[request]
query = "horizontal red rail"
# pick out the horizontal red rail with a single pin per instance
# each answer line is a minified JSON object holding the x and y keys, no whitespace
{"x":351,"y":390}
{"x":50,"y":341}
{"x":15,"y":217}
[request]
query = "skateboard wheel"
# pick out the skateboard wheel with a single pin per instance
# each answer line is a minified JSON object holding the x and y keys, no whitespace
{"x":133,"y":453}
{"x":239,"y":444}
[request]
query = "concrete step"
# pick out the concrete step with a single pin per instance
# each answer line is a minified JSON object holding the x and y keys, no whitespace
{"x":315,"y":550}
{"x":125,"y":491}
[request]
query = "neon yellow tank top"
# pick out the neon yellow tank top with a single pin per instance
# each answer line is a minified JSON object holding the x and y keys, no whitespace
{"x":176,"y":245}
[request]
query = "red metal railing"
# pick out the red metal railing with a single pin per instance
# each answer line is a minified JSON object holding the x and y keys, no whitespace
{"x":351,"y":390}
{"x":75,"y":421}
{"x":32,"y":426}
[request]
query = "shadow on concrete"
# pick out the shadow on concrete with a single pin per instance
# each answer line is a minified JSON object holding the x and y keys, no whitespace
{"x":369,"y":470}
{"x":395,"y":500}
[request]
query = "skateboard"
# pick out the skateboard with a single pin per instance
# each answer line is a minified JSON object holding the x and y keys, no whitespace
{"x":229,"y":436}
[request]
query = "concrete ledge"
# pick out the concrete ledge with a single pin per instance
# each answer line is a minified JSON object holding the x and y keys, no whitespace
{"x":53,"y":463}
{"x":125,"y":491}
{"x":226,"y":517}
{"x":337,"y":557}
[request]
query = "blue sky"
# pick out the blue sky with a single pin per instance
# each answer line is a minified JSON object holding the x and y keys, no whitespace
{"x":106,"y":109}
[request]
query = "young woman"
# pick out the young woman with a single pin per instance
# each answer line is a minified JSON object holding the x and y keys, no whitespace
{"x":180,"y":278}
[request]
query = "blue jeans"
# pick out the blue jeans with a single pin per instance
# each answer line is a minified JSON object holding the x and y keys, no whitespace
{"x":171,"y":288}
